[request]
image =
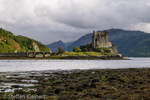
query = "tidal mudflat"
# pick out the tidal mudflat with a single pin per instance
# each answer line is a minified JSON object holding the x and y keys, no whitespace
{"x":94,"y":84}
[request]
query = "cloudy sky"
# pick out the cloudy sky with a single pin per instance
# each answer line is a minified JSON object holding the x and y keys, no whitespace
{"x":52,"y":20}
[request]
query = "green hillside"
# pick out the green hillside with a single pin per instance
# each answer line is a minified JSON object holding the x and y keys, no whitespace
{"x":131,"y":43}
{"x":10,"y":43}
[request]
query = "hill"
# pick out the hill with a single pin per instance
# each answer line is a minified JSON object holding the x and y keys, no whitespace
{"x":54,"y":46}
{"x":130,"y":43}
{"x":81,"y":41}
{"x":10,"y":43}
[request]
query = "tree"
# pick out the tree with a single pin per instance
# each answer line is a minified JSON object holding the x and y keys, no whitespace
{"x":106,"y":50}
{"x":98,"y":49}
{"x":85,"y":50}
{"x":76,"y":49}
{"x":59,"y":49}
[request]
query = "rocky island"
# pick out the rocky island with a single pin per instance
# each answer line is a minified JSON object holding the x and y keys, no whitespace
{"x":100,"y":48}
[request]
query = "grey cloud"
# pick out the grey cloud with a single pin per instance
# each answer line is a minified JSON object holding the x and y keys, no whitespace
{"x":110,"y":14}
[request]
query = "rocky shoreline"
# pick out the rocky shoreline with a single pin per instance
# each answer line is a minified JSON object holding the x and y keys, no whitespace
{"x":91,"y":57}
{"x":72,"y":57}
{"x":94,"y":84}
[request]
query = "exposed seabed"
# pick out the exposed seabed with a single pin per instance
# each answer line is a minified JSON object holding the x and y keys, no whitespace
{"x":132,"y":83}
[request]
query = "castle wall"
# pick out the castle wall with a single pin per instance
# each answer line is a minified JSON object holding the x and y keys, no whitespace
{"x":114,"y":48}
{"x":100,"y":39}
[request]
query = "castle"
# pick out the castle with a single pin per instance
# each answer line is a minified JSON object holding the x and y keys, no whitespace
{"x":101,"y":40}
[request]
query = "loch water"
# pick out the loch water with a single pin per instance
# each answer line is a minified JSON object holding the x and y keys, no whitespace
{"x":42,"y":65}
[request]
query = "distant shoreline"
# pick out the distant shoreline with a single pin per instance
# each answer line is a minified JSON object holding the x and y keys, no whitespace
{"x":69,"y":57}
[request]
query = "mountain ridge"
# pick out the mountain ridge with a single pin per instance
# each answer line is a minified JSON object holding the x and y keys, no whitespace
{"x":54,"y":46}
{"x":130,"y":43}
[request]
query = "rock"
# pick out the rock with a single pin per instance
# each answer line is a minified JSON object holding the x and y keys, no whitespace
{"x":93,"y":85}
{"x":85,"y":85}
{"x":132,"y":82}
{"x":111,"y":79}
{"x":58,"y":90}
{"x":95,"y":80}
{"x":62,"y":98}
{"x":71,"y":88}
{"x":119,"y":55}
{"x":79,"y":89}
{"x":15,"y":86}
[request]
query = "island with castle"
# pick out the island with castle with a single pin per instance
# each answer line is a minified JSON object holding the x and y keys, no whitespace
{"x":100,"y":48}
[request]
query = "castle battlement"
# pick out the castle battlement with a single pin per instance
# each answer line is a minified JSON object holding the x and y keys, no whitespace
{"x":101,"y":40}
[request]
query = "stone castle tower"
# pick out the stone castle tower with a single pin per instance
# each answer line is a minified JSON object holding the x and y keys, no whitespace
{"x":101,"y":40}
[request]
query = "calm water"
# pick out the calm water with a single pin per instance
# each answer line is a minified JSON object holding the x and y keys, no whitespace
{"x":39,"y":65}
